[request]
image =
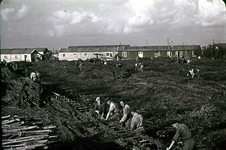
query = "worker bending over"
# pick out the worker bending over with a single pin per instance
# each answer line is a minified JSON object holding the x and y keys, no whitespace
{"x":113,"y":113}
{"x":126,"y":118}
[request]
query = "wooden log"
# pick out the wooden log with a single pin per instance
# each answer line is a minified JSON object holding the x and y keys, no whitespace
{"x":20,"y":129}
{"x":5,"y":117}
{"x":30,"y":147}
{"x":27,"y":137}
{"x":14,"y":126}
{"x":15,"y":145}
{"x":49,"y":127}
{"x":53,"y":136}
{"x":42,"y":142}
{"x":14,"y":141}
{"x":6,"y":135}
{"x":143,"y":141}
{"x":36,"y":131}
{"x":37,"y":123}
{"x":82,"y":107}
{"x":8,"y":121}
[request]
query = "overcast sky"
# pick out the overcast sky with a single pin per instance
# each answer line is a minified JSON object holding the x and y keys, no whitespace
{"x":62,"y":23}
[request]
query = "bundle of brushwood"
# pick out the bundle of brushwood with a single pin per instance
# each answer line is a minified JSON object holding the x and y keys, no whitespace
{"x":20,"y":133}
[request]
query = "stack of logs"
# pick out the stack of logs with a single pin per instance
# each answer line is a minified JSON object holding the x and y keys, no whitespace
{"x":26,"y":133}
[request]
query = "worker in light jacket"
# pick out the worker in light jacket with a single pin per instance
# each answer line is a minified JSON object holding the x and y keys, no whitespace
{"x":126,"y":118}
{"x":113,"y":113}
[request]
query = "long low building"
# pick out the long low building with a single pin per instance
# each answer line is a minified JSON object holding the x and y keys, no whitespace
{"x":19,"y":54}
{"x":88,"y":52}
{"x":126,"y":51}
{"x":186,"y":51}
{"x":23,"y":54}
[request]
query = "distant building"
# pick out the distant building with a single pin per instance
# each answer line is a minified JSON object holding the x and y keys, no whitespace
{"x":88,"y":52}
{"x":44,"y":53}
{"x":186,"y":51}
{"x":19,"y":54}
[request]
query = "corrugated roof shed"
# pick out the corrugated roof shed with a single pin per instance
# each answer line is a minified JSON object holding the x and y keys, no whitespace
{"x":17,"y":51}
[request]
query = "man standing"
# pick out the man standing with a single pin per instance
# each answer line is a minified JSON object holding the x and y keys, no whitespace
{"x":185,"y":134}
{"x":126,"y":114}
{"x":137,"y":121}
{"x":113,"y":112}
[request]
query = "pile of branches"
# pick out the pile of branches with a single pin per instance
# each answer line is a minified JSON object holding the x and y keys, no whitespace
{"x":21,"y":133}
{"x":22,"y":91}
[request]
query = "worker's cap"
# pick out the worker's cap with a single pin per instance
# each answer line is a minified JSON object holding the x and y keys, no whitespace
{"x":98,"y":98}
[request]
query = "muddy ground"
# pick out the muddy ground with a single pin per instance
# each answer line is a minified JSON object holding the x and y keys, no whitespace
{"x":161,"y":93}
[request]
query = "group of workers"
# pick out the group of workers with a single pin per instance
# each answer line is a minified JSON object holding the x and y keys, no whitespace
{"x":138,"y":65}
{"x":134,"y":121}
{"x":194,"y":72}
{"x":130,"y":119}
{"x":180,"y":60}
{"x":35,"y":76}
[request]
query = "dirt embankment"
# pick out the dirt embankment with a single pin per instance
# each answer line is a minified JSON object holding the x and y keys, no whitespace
{"x":161,"y":93}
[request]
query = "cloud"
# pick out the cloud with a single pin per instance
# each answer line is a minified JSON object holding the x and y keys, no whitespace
{"x":23,"y":11}
{"x":61,"y":30}
{"x":141,"y":14}
{"x":11,"y":14}
{"x":75,"y":17}
{"x":6,"y":12}
{"x":50,"y":33}
{"x":210,"y":13}
{"x":65,"y":21}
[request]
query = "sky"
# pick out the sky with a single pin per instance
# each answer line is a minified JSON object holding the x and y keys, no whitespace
{"x":58,"y":24}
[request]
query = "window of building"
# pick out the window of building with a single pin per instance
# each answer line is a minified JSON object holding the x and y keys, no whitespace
{"x":16,"y":57}
{"x":140,"y":54}
{"x":193,"y":53}
{"x":157,"y":54}
{"x":176,"y":53}
{"x":85,"y":54}
{"x":107,"y":54}
{"x":181,"y":53}
{"x":124,"y":54}
{"x":75,"y":55}
{"x":63,"y":55}
{"x":5,"y":57}
{"x":169,"y":54}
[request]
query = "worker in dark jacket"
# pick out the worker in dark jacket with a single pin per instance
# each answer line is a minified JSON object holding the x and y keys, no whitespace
{"x":100,"y":107}
{"x":185,"y":134}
